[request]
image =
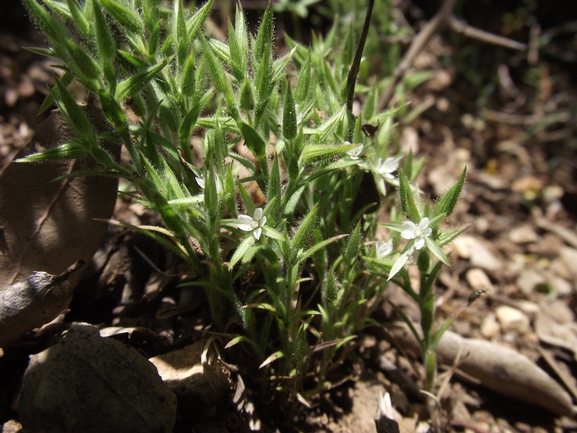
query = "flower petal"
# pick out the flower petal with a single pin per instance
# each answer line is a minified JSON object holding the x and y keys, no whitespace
{"x":409,"y":225}
{"x":408,"y":234}
{"x":245,"y":227}
{"x":420,"y":243}
{"x":258,"y":214}
{"x":258,"y":231}
{"x":424,"y":223}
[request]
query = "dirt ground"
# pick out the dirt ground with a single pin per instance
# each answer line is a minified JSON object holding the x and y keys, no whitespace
{"x":520,"y":254}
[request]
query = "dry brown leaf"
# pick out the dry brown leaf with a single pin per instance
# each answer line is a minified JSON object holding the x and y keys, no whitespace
{"x":498,"y":368}
{"x":556,"y":334}
{"x":89,"y":384}
{"x":34,"y":302}
{"x":46,"y":225}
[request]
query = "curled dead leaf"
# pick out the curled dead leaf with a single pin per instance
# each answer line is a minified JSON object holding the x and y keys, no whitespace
{"x":46,"y":225}
{"x":34,"y":302}
{"x":498,"y":368}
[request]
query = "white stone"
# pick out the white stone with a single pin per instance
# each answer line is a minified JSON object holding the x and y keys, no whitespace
{"x":490,"y":327}
{"x":523,"y":235}
{"x":478,"y":279}
{"x":512,"y":319}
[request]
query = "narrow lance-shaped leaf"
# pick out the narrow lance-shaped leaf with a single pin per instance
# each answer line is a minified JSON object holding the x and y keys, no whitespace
{"x":104,"y":41}
{"x":274,"y":190}
{"x":78,"y":18}
{"x":408,"y":204}
{"x":126,"y":17}
{"x":135,"y":83}
{"x":252,"y":139}
{"x":179,"y":32}
{"x":304,"y":231}
{"x":449,"y":201}
{"x":315,"y":152}
{"x":304,"y":81}
{"x":264,"y":37}
{"x":53,"y":29}
{"x":219,"y":78}
{"x":70,"y":150}
{"x":82,"y":64}
{"x":195,"y":22}
{"x":71,"y":111}
{"x":247,"y":101}
{"x":289,"y":127}
{"x":188,"y":79}
{"x":354,"y":245}
{"x":262,"y":80}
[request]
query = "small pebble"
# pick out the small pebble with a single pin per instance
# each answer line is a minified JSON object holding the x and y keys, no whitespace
{"x":523,"y":235}
{"x":512,"y":319}
{"x":490,"y":327}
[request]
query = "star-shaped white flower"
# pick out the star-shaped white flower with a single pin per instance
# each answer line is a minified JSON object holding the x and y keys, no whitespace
{"x":253,"y":224}
{"x":387,"y":167}
{"x":384,"y":248}
{"x":417,"y":232}
{"x":355,"y":153}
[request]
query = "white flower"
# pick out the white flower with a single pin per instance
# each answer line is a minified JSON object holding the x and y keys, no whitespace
{"x":416,"y":232}
{"x":387,"y":167}
{"x":202,"y":182}
{"x":384,"y":248}
{"x":253,"y":225}
{"x":355,"y":153}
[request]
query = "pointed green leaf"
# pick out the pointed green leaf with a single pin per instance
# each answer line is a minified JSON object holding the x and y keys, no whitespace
{"x":304,"y":256}
{"x":289,"y":126}
{"x":195,"y":22}
{"x":104,"y":41}
{"x":303,"y":85}
{"x":78,"y":18}
{"x":252,"y":139}
{"x":436,"y":250}
{"x":408,"y":203}
{"x":71,"y":111}
{"x":126,"y":17}
{"x":70,"y":150}
{"x":449,"y":201}
{"x":244,"y":246}
{"x":304,"y":231}
{"x":264,"y":37}
{"x":315,"y":152}
{"x":402,"y":259}
{"x":136,"y":82}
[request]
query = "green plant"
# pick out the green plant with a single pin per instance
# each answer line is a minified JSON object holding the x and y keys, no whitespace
{"x":422,"y":230}
{"x":285,"y":277}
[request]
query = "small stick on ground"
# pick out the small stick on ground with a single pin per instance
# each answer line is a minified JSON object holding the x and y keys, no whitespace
{"x":416,"y":47}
